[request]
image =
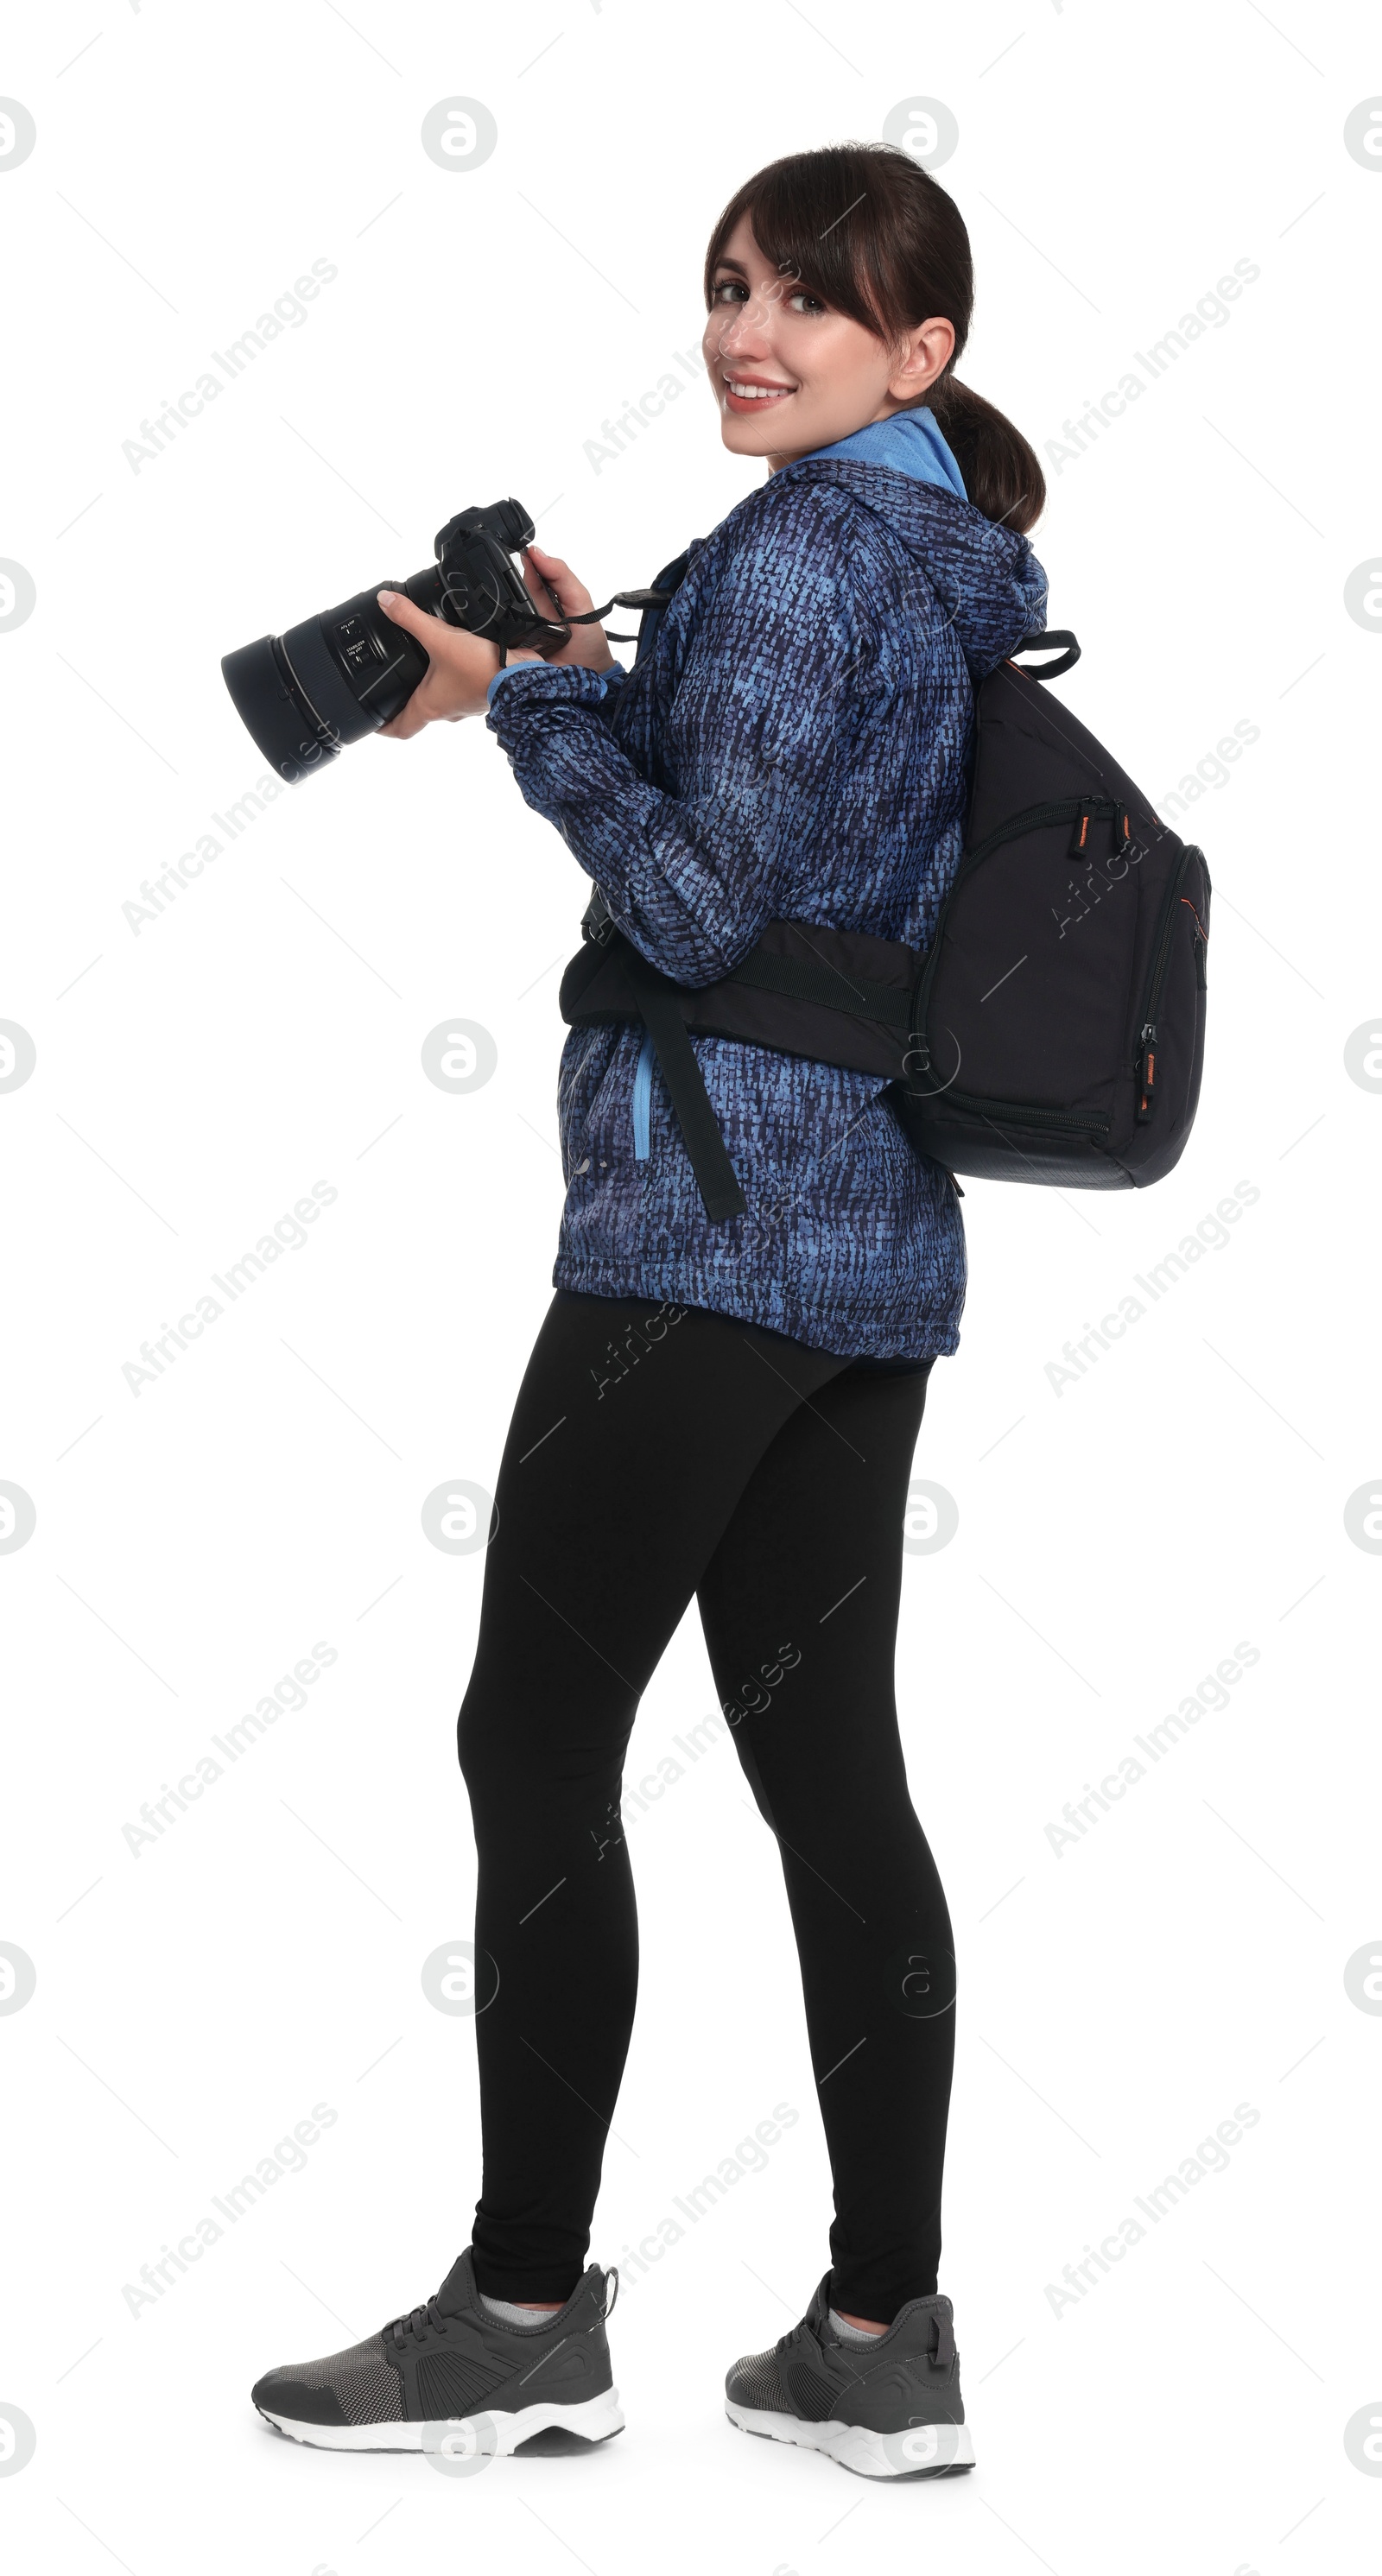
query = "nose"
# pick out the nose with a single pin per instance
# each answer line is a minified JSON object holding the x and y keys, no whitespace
{"x":746,"y":329}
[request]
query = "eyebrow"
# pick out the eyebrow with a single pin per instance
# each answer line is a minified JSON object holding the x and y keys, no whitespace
{"x":784,"y":276}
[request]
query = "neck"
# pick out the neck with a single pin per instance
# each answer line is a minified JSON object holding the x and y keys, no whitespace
{"x":888,"y":410}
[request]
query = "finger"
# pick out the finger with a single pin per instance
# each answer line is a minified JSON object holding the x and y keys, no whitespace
{"x":539,"y":590}
{"x":401,"y":609}
{"x":558,"y":576}
{"x":560,"y":580}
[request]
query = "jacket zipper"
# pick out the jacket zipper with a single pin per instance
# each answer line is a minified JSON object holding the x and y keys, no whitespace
{"x":643,"y":1101}
{"x":1147,"y":1041}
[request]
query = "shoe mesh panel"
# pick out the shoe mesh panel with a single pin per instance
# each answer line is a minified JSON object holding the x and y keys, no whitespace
{"x":369,"y":2391}
{"x":450,"y":2383}
{"x":754,"y":2381}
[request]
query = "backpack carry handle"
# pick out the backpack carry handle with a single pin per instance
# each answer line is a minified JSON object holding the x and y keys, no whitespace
{"x":1056,"y":670}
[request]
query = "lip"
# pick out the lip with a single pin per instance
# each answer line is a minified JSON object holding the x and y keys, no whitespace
{"x":743,"y":406}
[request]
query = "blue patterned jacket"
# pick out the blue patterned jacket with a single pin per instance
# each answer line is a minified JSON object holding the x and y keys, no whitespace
{"x":794,"y":742}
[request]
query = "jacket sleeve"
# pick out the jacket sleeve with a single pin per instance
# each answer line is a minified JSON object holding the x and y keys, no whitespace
{"x":766,"y":667}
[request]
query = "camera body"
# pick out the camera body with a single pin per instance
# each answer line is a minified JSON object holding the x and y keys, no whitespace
{"x":304,"y":695}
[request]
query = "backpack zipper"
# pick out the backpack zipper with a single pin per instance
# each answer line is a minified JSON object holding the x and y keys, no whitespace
{"x":1069,"y":809}
{"x":1144,"y":1066}
{"x":1080,"y":810}
{"x":1019,"y":1113}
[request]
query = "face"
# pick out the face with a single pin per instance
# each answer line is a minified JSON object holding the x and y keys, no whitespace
{"x":789,"y":373}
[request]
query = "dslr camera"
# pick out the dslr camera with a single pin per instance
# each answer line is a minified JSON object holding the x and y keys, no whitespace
{"x":339,"y":676}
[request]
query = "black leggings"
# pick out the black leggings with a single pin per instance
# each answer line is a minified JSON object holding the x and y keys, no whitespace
{"x":654,"y":1453}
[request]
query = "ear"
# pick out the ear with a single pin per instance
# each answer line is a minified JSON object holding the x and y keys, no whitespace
{"x":927,"y":350}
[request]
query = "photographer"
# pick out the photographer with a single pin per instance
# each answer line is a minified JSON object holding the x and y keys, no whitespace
{"x":727,"y":1405}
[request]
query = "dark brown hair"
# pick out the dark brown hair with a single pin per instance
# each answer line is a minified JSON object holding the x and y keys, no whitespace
{"x":862,"y":226}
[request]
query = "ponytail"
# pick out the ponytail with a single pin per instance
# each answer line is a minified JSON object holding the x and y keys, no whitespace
{"x":999,"y":468}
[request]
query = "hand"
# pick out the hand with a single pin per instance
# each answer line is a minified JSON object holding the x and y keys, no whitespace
{"x":459,"y":669}
{"x":555,"y":591}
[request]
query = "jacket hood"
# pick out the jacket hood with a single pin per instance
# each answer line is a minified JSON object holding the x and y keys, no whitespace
{"x":987,"y":579}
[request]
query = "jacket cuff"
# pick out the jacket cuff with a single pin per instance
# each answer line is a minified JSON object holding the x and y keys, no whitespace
{"x":561,"y":682}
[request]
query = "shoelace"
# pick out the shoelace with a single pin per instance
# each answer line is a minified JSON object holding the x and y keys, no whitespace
{"x":420,"y":2319}
{"x":416,"y":2324}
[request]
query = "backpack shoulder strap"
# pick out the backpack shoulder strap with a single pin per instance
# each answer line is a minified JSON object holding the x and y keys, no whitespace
{"x":1044,"y":642}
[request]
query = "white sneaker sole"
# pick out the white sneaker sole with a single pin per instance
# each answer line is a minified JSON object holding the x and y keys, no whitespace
{"x":487,"y":2435}
{"x":923,"y":2450}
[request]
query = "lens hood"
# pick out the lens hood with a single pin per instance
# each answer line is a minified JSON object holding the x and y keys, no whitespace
{"x":276,"y":714}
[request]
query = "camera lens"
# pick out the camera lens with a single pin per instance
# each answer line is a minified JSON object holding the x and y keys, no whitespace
{"x":274,"y":711}
{"x":303,"y":696}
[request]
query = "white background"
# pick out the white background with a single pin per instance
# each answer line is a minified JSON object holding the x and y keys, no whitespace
{"x":1115,"y":1541}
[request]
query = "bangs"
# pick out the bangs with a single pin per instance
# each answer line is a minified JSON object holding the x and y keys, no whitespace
{"x":823,"y":224}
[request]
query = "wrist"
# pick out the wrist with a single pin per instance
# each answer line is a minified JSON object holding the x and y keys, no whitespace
{"x":574,"y":684}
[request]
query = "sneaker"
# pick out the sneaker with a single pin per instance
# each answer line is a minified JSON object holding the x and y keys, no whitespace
{"x":456,"y":2381}
{"x":890,"y":2408}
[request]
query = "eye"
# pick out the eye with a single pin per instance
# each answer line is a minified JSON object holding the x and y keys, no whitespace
{"x":803,"y":302}
{"x":729,"y":290}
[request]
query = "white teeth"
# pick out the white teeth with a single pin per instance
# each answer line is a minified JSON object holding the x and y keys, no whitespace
{"x":758,"y":393}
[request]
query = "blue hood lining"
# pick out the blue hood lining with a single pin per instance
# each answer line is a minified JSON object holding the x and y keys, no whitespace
{"x":911,"y":443}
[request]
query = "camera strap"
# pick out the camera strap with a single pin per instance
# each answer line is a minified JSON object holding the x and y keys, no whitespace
{"x":596,"y":616}
{"x":622,"y":599}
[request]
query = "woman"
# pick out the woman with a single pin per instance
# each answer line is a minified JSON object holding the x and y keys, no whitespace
{"x":728,"y":1406}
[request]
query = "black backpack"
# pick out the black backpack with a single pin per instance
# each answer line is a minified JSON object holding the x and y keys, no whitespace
{"x":1053,"y":1031}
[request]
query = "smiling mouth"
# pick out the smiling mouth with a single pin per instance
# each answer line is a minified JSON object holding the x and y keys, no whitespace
{"x":744,"y":393}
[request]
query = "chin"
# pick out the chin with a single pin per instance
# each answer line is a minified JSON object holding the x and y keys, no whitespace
{"x":746,"y":437}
